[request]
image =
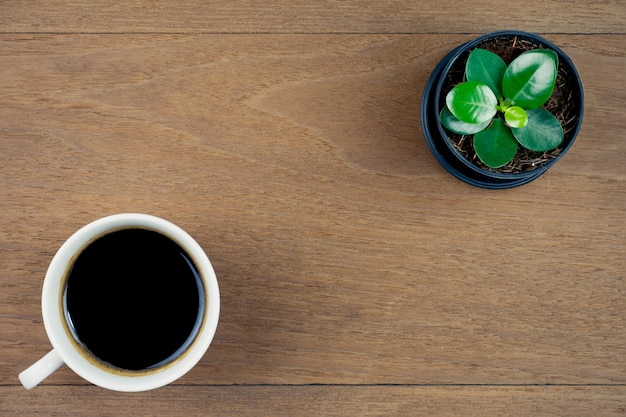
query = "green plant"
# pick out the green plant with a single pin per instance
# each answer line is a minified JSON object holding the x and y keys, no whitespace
{"x":501,"y":106}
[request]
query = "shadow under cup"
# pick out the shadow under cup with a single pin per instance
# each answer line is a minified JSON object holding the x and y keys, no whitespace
{"x":133,"y":301}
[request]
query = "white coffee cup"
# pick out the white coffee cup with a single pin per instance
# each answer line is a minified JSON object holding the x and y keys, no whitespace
{"x":67,"y":349}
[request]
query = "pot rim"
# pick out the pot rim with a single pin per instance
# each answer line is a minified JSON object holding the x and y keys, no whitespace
{"x":434,"y":85}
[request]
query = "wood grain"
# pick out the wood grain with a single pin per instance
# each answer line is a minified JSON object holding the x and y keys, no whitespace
{"x":357,"y":276}
{"x":297,"y":16}
{"x":321,"y":400}
{"x":341,"y":247}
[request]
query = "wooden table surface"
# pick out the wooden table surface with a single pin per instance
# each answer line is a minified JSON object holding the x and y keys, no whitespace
{"x":358,"y":278}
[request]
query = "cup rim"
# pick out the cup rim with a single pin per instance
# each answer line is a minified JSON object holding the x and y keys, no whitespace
{"x":67,"y":347}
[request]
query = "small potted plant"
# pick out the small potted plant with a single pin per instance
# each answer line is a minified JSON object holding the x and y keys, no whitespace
{"x":499,"y":111}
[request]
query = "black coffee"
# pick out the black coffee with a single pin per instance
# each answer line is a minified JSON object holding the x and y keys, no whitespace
{"x":134,"y":298}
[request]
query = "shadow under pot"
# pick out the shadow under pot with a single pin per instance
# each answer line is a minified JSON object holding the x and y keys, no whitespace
{"x":456,"y":152}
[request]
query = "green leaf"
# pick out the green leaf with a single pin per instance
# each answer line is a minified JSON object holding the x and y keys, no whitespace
{"x":529,"y":80}
{"x":472,"y":102}
{"x":515,"y":116}
{"x":543,"y":131}
{"x":486,"y":67}
{"x":455,"y":125}
{"x":495,"y":146}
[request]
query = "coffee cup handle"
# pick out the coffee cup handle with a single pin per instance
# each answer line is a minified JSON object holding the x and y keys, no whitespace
{"x":41,"y":369}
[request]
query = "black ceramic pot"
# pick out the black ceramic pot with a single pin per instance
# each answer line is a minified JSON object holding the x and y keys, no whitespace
{"x":437,"y":137}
